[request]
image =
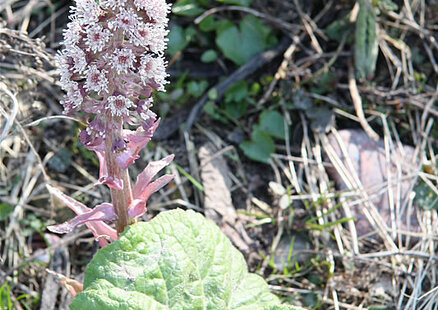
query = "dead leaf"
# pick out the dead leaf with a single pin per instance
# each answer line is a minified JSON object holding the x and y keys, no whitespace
{"x":218,"y":204}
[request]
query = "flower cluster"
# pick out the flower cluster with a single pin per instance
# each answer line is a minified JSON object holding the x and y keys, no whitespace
{"x":113,"y":58}
{"x":111,"y":63}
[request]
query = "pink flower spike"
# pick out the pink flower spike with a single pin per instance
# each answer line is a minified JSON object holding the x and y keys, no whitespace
{"x":97,"y":227}
{"x":144,"y":179}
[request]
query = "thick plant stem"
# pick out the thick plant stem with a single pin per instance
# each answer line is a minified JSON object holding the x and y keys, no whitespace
{"x":121,"y":199}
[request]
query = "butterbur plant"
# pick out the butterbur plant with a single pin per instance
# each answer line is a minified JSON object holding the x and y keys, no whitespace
{"x":112,"y":60}
{"x":111,"y":63}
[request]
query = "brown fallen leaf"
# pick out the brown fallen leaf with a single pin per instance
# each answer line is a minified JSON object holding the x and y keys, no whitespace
{"x":218,"y":204}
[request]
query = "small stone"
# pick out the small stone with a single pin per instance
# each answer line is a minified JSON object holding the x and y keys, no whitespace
{"x":370,"y":165}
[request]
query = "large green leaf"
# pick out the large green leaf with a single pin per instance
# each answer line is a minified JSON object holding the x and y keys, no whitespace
{"x":179,"y":260}
{"x":239,"y":45}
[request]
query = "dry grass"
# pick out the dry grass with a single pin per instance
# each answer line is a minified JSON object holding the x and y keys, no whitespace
{"x":390,"y":267}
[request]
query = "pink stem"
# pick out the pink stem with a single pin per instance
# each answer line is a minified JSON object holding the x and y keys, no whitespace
{"x":121,"y":199}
